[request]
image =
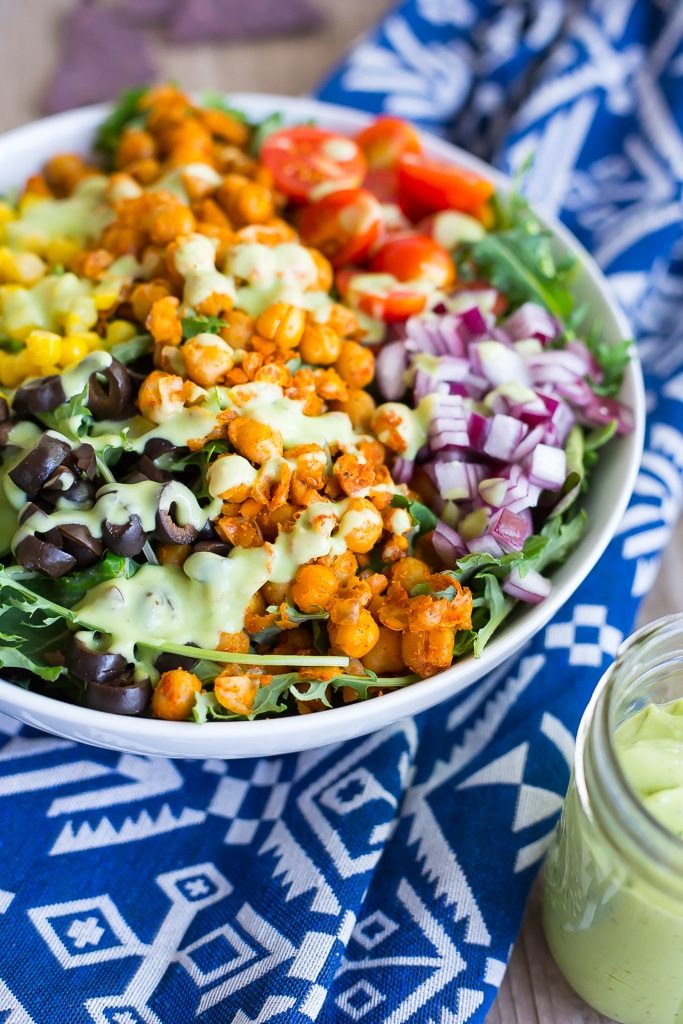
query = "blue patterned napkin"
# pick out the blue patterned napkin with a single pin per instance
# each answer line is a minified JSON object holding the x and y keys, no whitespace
{"x":382,"y":880}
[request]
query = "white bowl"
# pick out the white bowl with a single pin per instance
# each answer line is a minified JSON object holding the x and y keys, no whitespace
{"x":22,"y":152}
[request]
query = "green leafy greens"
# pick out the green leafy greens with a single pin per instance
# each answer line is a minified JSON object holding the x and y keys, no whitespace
{"x":126,"y":114}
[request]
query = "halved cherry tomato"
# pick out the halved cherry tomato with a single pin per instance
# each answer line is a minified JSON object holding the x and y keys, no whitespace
{"x":304,"y":158}
{"x":342,"y":225}
{"x":382,"y":298}
{"x":383,"y":184}
{"x":426,"y":185}
{"x":387,"y":139}
{"x":414,"y":256}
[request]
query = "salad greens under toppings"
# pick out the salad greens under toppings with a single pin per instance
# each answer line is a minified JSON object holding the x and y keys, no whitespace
{"x":215,"y":502}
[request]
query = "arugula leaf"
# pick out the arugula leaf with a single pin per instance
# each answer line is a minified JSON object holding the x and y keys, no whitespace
{"x":560,"y":538}
{"x":129,"y":351}
{"x":194,"y":325}
{"x":29,"y":632}
{"x":70,"y":589}
{"x":10,"y":345}
{"x":497,"y":607}
{"x":262,"y":130}
{"x":72,"y":418}
{"x":423,"y":517}
{"x":126,"y":114}
{"x":613,"y":360}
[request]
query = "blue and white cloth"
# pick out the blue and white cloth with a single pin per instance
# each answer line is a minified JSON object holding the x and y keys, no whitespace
{"x":382,"y":880}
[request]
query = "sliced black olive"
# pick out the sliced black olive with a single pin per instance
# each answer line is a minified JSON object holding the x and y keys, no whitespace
{"x":52,"y":536}
{"x":145,"y":469}
{"x":4,"y":409}
{"x":214,"y":547}
{"x":110,"y":393}
{"x":127,"y":539}
{"x":61,"y":480}
{"x":119,"y":696}
{"x":157,"y":446}
{"x":41,"y":556}
{"x":37,"y":467}
{"x":168,"y":662}
{"x":6,"y":428}
{"x":40,"y":395}
{"x":84,"y":460}
{"x":78,"y":541}
{"x":81,"y":494}
{"x":93,"y":666}
{"x":167,"y":529}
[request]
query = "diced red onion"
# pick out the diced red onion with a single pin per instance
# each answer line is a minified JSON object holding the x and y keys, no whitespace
{"x":447,"y":543}
{"x":505,"y":435}
{"x":402,"y":470}
{"x":499,"y":364}
{"x":485,"y":544}
{"x":527,"y":500}
{"x":602,"y":410}
{"x":509,"y":529}
{"x":474,"y":320}
{"x":526,"y":446}
{"x":547,"y":467}
{"x":532,"y":321}
{"x":390,"y":367}
{"x":424,"y":384}
{"x":478,"y":427}
{"x":457,"y":480}
{"x":532,"y":587}
{"x":441,"y":336}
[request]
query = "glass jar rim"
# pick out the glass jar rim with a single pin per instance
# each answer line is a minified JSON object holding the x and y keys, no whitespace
{"x":629,"y":825}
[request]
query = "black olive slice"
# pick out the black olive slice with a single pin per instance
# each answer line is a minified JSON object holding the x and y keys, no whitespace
{"x":119,"y":696}
{"x":84,"y":460}
{"x":4,"y":409}
{"x":93,"y":666}
{"x":81,"y":493}
{"x":40,"y":395}
{"x":78,"y":541}
{"x":41,"y":556}
{"x":145,"y":469}
{"x":52,"y":536}
{"x":127,"y":539}
{"x":168,"y":662}
{"x":157,"y":446}
{"x":39,"y":464}
{"x":110,"y":392}
{"x":167,"y":529}
{"x":214,"y":547}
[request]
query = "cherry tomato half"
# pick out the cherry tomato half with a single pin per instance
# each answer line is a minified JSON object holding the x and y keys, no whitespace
{"x":342,"y":225}
{"x":387,"y":139}
{"x":408,"y":257}
{"x":303,"y":158}
{"x":426,"y":185}
{"x":380,"y":295}
{"x":383,"y":184}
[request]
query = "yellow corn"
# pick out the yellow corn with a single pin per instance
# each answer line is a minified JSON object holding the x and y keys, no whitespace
{"x":120,"y":330}
{"x":105,"y":300}
{"x":43,"y":347}
{"x":20,"y":267}
{"x":8,"y":373}
{"x":7,"y":212}
{"x":81,"y":317}
{"x":61,"y":251}
{"x":74,"y":347}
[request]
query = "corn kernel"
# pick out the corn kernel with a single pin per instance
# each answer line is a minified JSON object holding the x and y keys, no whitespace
{"x":81,"y":317}
{"x":61,"y":250}
{"x":8,"y":373}
{"x":73,"y":348}
{"x":7,"y":212}
{"x":43,"y":347}
{"x":29,"y":199}
{"x":20,"y":267}
{"x":119,"y":331}
{"x":105,"y":300}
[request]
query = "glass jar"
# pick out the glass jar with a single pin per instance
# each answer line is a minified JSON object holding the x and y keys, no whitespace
{"x":613,"y":898}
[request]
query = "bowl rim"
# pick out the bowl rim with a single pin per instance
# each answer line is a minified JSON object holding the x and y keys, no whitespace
{"x":302,"y":731}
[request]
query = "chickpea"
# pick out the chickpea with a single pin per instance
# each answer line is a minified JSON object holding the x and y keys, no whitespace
{"x":207,"y":359}
{"x":314,"y":588}
{"x":255,"y":441}
{"x":173,"y":697}
{"x":275,"y":593}
{"x":427,"y":653}
{"x":163,"y":322}
{"x":240,"y":328}
{"x":409,"y":572}
{"x":230,"y":477}
{"x":253,"y":204}
{"x":282,"y":323}
{"x":324,"y":267}
{"x":356,"y":364}
{"x":234,"y":643}
{"x":355,"y":639}
{"x":319,"y":345}
{"x":170,"y":221}
{"x":235,"y":693}
{"x":385,"y":658}
{"x":361,"y":526}
{"x":343,"y":320}
{"x":145,"y":171}
{"x":144,"y":295}
{"x":135,"y":145}
{"x":352,"y":474}
{"x":224,"y":126}
{"x":64,"y":171}
{"x":359,"y":407}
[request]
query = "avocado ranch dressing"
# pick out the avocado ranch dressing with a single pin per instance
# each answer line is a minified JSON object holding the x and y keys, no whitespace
{"x":613,"y":903}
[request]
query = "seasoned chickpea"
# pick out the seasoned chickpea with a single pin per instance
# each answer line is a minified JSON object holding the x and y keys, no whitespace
{"x":236,"y":693}
{"x":207,"y":359}
{"x":386,"y":656}
{"x":352,"y":473}
{"x":314,"y":588}
{"x":252,"y":204}
{"x":409,"y":572}
{"x":135,"y":145}
{"x":356,"y":364}
{"x":319,"y":345}
{"x":173,"y":697}
{"x":234,"y":643}
{"x":255,"y":441}
{"x":324,"y":267}
{"x":64,"y":171}
{"x":361,"y":526}
{"x":170,"y":221}
{"x":359,"y":407}
{"x":429,"y":652}
{"x":172,"y":554}
{"x":282,"y":323}
{"x":163,"y":322}
{"x":144,"y":295}
{"x":355,"y":639}
{"x":275,"y":593}
{"x":230,"y":477}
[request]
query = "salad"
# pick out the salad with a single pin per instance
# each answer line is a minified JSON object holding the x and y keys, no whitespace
{"x":289,"y":419}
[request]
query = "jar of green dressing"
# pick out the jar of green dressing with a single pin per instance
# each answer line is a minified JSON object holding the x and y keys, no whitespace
{"x":613,"y":898}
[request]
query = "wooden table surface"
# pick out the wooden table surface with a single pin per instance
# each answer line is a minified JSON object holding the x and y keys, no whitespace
{"x":533,"y":992}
